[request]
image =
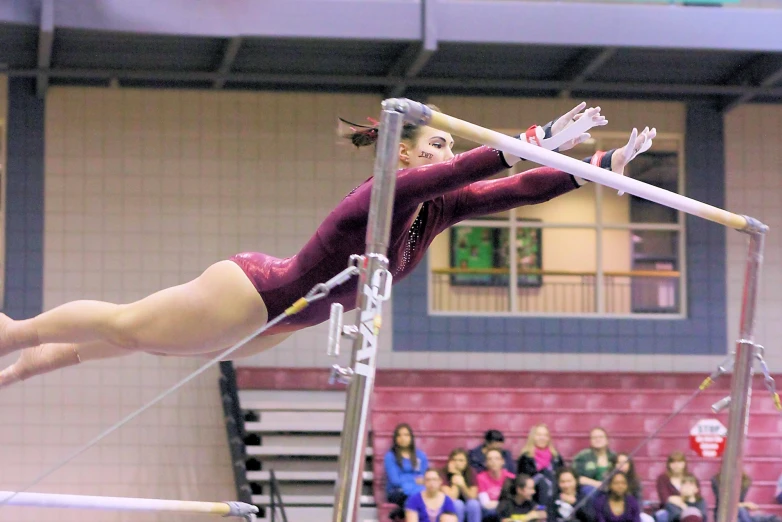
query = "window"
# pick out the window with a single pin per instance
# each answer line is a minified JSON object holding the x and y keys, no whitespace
{"x":589,"y":252}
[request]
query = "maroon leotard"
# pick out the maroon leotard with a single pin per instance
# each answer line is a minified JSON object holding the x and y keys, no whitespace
{"x":450,"y":192}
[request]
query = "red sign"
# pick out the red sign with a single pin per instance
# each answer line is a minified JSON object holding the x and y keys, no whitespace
{"x":707,"y":438}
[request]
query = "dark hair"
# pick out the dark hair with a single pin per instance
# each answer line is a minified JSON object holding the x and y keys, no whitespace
{"x":493,"y":436}
{"x":676,"y":456}
{"x":365,"y":135}
{"x":495,"y":450}
{"x":564,"y":470}
{"x":432,"y":470}
{"x":521,"y":480}
{"x":633,"y":483}
{"x":467,"y":473}
{"x":611,"y":481}
{"x":398,"y":451}
{"x":689,"y":477}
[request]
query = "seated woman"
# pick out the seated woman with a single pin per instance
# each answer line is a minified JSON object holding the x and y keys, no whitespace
{"x":540,"y":460}
{"x":625,"y":464}
{"x":618,"y":505}
{"x":669,"y":485}
{"x":404,"y":466}
{"x":748,"y":511}
{"x":460,"y":484}
{"x":688,"y":506}
{"x":491,"y":482}
{"x":593,"y":463}
{"x":519,"y":503}
{"x":430,"y":504}
{"x":567,"y":495}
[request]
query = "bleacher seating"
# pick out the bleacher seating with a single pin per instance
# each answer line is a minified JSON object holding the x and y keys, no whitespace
{"x":453,"y":408}
{"x":446,"y":417}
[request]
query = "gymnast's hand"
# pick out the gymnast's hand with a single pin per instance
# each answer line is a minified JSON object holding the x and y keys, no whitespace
{"x":571,"y":117}
{"x":637,"y":144}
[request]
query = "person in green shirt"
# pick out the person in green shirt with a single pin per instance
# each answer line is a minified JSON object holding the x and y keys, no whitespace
{"x":592,"y":464}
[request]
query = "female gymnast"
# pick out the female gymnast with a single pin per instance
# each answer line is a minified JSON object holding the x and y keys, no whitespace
{"x":232,"y":298}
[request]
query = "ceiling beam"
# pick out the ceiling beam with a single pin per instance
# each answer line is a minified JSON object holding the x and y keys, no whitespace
{"x":392,"y":20}
{"x":20,"y":12}
{"x":45,"y":44}
{"x":232,"y":47}
{"x":585,"y":66}
{"x":769,"y":81}
{"x":418,"y":54}
{"x":611,"y":24}
{"x":467,"y":84}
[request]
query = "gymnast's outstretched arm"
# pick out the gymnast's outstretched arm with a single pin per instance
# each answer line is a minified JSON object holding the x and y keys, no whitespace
{"x":536,"y":185}
{"x":419,"y":184}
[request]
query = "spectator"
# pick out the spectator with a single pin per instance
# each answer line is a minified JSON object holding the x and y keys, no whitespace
{"x":493,"y":439}
{"x":779,"y":490}
{"x":540,"y":460}
{"x":404,"y":466}
{"x":491,"y":482}
{"x":748,"y":511}
{"x":669,"y":484}
{"x":431,"y":504}
{"x":688,"y":506}
{"x":626,"y":465}
{"x":519,"y":504}
{"x":460,"y":485}
{"x":567,"y":494}
{"x":618,"y":505}
{"x":593,"y":463}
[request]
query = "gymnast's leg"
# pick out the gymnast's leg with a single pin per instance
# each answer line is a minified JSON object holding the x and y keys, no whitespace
{"x":217,"y":309}
{"x":49,"y":357}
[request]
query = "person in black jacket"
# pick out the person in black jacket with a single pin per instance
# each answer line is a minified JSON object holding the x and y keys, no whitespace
{"x":567,"y":495}
{"x":492,"y":440}
{"x":540,"y":460}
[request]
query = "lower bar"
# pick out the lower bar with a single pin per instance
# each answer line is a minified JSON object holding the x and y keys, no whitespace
{"x":741,"y":387}
{"x":52,"y":500}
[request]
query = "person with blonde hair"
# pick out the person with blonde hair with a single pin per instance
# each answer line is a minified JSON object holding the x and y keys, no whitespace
{"x":540,"y":460}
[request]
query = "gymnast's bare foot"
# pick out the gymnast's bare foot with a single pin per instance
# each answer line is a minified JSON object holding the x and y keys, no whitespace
{"x":5,"y":341}
{"x":38,"y":360}
{"x":16,"y":335}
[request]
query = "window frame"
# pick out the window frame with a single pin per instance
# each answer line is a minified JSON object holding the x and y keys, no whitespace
{"x":599,"y":227}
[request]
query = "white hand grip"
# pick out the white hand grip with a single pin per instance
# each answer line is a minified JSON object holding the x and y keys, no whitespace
{"x":335,"y":329}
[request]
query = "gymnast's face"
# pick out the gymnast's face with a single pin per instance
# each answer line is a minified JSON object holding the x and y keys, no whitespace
{"x":432,"y":146}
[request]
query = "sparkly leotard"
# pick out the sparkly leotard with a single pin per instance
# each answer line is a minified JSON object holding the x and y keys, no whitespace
{"x":450,"y":192}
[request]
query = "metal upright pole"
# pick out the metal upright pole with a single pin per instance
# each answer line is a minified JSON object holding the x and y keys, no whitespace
{"x":741,"y":384}
{"x":372,"y":291}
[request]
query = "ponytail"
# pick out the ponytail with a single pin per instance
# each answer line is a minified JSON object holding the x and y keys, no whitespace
{"x":365,"y":135}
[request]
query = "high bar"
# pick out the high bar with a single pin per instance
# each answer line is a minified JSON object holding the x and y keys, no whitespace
{"x":421,"y":114}
{"x":53,"y":500}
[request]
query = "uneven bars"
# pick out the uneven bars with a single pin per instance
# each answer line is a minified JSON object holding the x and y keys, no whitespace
{"x":53,"y":500}
{"x":584,"y":170}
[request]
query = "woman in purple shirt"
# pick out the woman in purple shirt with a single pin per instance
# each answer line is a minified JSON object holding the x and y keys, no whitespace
{"x":618,"y":505}
{"x":234,"y":297}
{"x":431,"y":504}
